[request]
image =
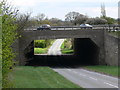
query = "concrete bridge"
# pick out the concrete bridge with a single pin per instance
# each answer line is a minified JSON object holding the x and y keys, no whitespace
{"x":87,"y":43}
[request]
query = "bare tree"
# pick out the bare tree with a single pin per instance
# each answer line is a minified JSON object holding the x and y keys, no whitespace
{"x":71,"y":16}
{"x":23,"y":21}
{"x":40,"y":17}
{"x":80,"y":19}
{"x":103,"y":11}
{"x":56,"y":21}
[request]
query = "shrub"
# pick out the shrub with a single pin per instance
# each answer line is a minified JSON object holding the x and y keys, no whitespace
{"x":42,"y":43}
{"x":8,"y":36}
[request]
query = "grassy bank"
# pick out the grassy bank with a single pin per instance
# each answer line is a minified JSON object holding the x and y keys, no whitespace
{"x":43,"y":50}
{"x":67,"y":51}
{"x":109,"y":70}
{"x":39,"y":77}
{"x":40,"y":50}
{"x":66,"y":47}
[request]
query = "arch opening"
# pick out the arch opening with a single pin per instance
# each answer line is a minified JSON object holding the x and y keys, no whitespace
{"x":86,"y":52}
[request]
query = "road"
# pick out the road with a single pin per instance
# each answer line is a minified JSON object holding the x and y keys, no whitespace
{"x":55,"y":48}
{"x":88,"y":79}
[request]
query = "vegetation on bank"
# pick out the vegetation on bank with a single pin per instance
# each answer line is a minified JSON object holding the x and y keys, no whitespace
{"x":0,"y":48}
{"x":40,"y":50}
{"x":42,"y":46}
{"x":67,"y":46}
{"x":39,"y":77}
{"x":109,"y":70}
{"x":9,"y":34}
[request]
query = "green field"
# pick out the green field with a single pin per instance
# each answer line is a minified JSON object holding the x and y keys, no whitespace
{"x":109,"y":70}
{"x":39,"y":77}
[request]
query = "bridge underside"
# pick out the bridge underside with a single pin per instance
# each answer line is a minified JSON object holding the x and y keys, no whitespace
{"x":88,"y":48}
{"x":86,"y":52}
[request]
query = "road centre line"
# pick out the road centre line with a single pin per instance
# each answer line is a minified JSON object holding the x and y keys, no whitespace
{"x":69,"y":70}
{"x":93,"y":78}
{"x":111,"y":84}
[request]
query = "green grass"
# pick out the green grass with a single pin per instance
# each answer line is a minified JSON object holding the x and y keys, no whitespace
{"x":67,"y":51}
{"x":43,"y":50}
{"x":110,"y":70}
{"x":40,"y":50}
{"x":39,"y":77}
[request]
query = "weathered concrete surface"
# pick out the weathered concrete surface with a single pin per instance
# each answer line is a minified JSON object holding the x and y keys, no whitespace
{"x":26,"y":41}
{"x":111,"y":50}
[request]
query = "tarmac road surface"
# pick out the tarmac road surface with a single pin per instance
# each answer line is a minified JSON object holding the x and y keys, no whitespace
{"x":88,"y":79}
{"x":55,"y":48}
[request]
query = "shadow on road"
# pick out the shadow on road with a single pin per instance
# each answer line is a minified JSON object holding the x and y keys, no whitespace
{"x":59,"y":61}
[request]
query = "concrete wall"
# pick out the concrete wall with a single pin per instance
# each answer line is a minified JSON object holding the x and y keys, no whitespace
{"x":111,"y":50}
{"x":26,"y":41}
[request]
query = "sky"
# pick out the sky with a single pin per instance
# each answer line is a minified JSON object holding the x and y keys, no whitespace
{"x":59,"y":8}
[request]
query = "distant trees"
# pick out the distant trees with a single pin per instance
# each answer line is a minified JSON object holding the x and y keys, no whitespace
{"x":71,"y":16}
{"x":56,"y":22}
{"x":109,"y":20}
{"x":103,"y":11}
{"x":76,"y":19}
{"x":80,"y":19}
{"x":22,"y":21}
{"x":40,"y":17}
{"x":103,"y":16}
{"x":96,"y":21}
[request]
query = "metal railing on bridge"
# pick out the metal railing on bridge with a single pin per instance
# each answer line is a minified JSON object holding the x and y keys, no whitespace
{"x":108,"y":27}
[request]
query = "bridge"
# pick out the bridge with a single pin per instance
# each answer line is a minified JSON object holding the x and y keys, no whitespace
{"x":91,"y":41}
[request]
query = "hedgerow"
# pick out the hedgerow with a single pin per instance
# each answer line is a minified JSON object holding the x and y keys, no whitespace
{"x":8,"y":36}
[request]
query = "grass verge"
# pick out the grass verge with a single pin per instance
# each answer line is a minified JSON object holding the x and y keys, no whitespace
{"x":40,"y":50}
{"x":67,"y":51}
{"x":109,"y":70}
{"x":39,"y":77}
{"x":43,"y":50}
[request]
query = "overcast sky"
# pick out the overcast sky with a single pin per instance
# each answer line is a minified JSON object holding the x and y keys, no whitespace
{"x":59,"y":8}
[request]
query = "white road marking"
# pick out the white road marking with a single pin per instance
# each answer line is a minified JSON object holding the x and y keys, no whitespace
{"x":98,"y":73}
{"x":68,"y":69}
{"x":75,"y":72}
{"x":82,"y":74}
{"x":111,"y":84}
{"x":93,"y":78}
